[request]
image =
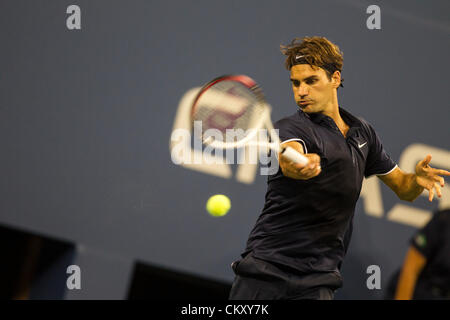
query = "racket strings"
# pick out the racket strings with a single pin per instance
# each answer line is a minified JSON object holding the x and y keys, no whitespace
{"x":228,"y":105}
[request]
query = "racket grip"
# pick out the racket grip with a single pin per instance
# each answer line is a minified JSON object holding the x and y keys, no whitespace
{"x":294,"y":155}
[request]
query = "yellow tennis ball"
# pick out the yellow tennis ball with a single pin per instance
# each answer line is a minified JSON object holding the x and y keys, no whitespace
{"x":218,"y":205}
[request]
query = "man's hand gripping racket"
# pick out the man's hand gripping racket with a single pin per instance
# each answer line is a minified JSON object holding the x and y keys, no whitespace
{"x":237,"y":102}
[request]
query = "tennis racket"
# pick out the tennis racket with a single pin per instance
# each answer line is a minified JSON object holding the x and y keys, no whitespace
{"x":237,"y":102}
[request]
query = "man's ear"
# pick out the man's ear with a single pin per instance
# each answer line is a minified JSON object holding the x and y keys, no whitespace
{"x":336,"y":79}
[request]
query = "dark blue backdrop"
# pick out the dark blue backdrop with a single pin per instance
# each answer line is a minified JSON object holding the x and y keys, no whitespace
{"x":86,"y":117}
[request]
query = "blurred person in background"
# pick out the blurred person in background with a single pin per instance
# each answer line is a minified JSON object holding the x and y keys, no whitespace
{"x":425,"y":274}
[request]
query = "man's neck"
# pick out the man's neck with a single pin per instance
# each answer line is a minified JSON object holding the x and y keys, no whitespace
{"x":333,"y":112}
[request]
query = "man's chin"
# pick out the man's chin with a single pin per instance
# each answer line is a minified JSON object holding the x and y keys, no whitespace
{"x":306,"y":108}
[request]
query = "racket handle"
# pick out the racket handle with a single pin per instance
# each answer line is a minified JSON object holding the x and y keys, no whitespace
{"x":294,"y":155}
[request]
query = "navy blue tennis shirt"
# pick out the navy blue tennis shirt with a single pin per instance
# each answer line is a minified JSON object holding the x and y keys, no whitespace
{"x":307,"y":224}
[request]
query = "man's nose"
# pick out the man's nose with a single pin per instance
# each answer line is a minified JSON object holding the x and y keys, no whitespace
{"x":302,"y":90}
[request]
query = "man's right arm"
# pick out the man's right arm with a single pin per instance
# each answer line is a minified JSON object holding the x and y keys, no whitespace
{"x":299,"y":171}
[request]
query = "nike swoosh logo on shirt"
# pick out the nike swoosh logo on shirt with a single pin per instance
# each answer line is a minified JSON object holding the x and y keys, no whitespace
{"x":362,"y":145}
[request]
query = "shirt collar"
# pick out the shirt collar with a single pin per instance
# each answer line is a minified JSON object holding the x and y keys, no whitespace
{"x":319,"y":118}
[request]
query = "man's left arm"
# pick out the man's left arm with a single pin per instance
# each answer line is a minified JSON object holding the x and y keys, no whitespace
{"x":408,"y":186}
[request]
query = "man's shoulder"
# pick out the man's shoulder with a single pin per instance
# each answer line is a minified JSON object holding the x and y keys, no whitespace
{"x":366,"y":124}
{"x":362,"y":122}
{"x":294,"y":126}
{"x":293,"y":119}
{"x":354,"y":118}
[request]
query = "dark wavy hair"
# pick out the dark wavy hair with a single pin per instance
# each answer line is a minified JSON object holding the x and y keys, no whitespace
{"x":315,"y":51}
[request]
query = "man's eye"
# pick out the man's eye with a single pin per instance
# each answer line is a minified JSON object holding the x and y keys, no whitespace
{"x":295,"y":83}
{"x":311,"y":81}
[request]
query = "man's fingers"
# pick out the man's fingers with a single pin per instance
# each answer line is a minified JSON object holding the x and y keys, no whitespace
{"x":301,"y":171}
{"x":427,"y":160}
{"x":299,"y":166}
{"x":308,"y":172}
{"x":287,"y":161}
{"x":297,"y":172}
{"x":310,"y":166}
{"x":314,"y":159}
{"x":440,"y":180}
{"x":438,"y":190}
{"x":430,"y":197}
{"x":441,"y":172}
{"x":318,"y":170}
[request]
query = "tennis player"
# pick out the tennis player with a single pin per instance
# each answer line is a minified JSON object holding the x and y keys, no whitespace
{"x":296,"y":248}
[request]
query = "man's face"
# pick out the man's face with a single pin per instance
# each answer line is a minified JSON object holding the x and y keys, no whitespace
{"x":313,"y":90}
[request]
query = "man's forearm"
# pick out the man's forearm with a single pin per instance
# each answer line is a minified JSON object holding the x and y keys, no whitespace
{"x":409,"y":190}
{"x":408,"y":186}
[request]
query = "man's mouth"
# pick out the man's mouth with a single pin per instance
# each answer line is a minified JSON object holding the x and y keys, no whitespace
{"x":303,"y":103}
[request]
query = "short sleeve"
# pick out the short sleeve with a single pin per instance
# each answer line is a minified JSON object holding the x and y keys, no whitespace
{"x":427,"y":239}
{"x":290,"y":130}
{"x":378,"y":160}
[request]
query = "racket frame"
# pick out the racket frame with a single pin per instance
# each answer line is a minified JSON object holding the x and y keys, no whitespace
{"x":263,"y":121}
